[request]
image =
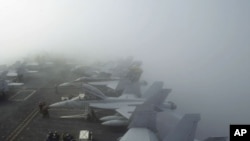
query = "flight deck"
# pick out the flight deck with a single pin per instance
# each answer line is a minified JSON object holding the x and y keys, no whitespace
{"x":21,"y":120}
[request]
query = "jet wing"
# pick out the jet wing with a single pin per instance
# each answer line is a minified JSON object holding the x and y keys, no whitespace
{"x":139,"y":134}
{"x":110,"y":84}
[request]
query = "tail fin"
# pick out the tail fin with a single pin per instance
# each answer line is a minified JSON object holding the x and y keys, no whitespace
{"x":185,"y":129}
{"x":157,"y":99}
{"x":153,"y":89}
{"x":216,"y":139}
{"x":122,"y":84}
{"x":129,"y":87}
{"x":93,"y":90}
{"x":145,"y":114}
{"x":133,"y":88}
{"x":130,"y":83}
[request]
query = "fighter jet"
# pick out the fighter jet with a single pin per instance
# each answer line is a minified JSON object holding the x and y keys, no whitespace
{"x":107,"y":70}
{"x":97,"y":82}
{"x":115,"y":84}
{"x":109,"y":88}
{"x":102,"y":70}
{"x":147,"y":124}
{"x":9,"y":79}
{"x":18,"y":71}
{"x":86,"y":71}
{"x":124,"y":105}
{"x":7,"y":82}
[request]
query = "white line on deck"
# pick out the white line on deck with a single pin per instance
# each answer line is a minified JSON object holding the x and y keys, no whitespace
{"x":12,"y":98}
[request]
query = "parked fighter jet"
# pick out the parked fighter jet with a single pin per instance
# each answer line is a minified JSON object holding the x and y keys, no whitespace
{"x":89,"y":71}
{"x":7,"y":82}
{"x":10,"y":79}
{"x":124,"y":105}
{"x":114,"y":87}
{"x":107,"y":82}
{"x":184,"y":131}
{"x":147,"y":124}
{"x":20,"y":71}
{"x":110,"y":69}
{"x":124,"y":113}
{"x":94,"y":95}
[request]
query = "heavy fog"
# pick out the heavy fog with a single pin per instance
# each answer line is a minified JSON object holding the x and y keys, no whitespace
{"x":200,"y":49}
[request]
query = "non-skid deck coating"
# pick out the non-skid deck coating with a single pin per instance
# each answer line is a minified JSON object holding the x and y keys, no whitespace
{"x":22,"y":95}
{"x":21,"y":112}
{"x":40,"y":126}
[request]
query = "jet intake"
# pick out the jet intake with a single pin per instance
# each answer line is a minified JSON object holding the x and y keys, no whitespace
{"x":115,"y":123}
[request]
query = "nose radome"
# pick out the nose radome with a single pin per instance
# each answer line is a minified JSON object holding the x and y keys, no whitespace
{"x":58,"y":104}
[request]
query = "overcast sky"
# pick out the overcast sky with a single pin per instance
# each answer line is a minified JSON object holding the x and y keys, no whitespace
{"x":200,"y":49}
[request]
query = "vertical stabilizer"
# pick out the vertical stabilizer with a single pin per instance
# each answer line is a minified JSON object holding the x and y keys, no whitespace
{"x":93,"y":91}
{"x":129,"y":87}
{"x":133,"y":88}
{"x":185,"y":129}
{"x":130,"y":83}
{"x":122,"y":84}
{"x":144,"y":115}
{"x":153,"y":89}
{"x":158,"y":99}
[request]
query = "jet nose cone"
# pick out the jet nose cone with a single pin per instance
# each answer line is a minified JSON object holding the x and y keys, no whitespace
{"x":58,"y":104}
{"x":73,"y":103}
